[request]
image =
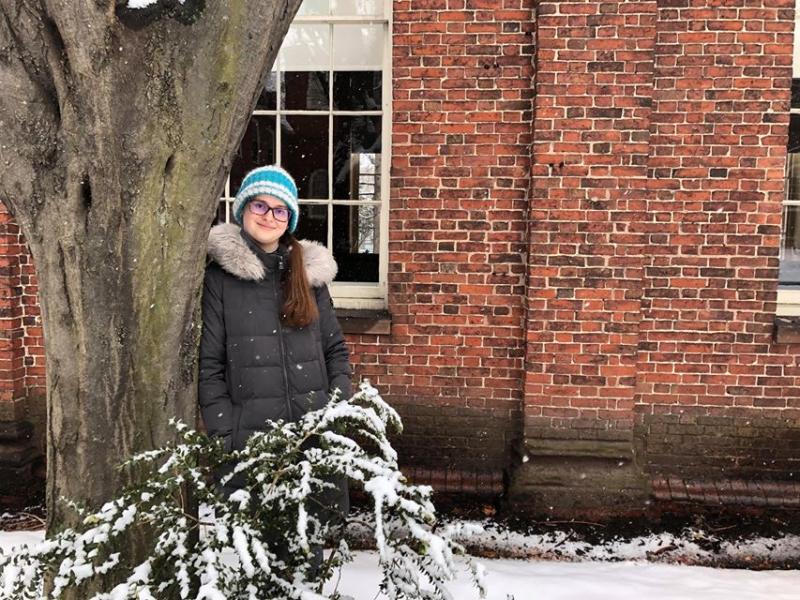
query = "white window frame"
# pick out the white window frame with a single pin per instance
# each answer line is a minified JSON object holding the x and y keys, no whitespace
{"x":353,"y":295}
{"x":789,"y":297}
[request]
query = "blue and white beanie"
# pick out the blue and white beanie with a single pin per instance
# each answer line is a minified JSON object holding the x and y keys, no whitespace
{"x":270,"y":181}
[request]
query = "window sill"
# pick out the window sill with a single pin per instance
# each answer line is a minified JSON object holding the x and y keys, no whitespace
{"x":364,"y":321}
{"x":788,"y":301}
{"x":787,"y":329}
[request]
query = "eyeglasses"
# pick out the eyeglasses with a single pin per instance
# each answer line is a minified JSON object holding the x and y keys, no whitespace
{"x":280,"y":213}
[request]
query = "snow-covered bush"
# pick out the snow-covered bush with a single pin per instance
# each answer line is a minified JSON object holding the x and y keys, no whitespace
{"x":264,"y":541}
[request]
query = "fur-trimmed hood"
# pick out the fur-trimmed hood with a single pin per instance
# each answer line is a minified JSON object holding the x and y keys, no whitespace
{"x":229,"y":250}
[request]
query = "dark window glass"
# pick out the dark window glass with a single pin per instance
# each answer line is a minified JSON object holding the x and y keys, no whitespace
{"x":220,"y":216}
{"x":794,"y":133}
{"x":357,"y":90}
{"x":305,"y":153}
{"x":790,"y":250}
{"x":257,"y":149}
{"x":268,"y":98}
{"x":305,"y":90}
{"x":357,"y":143}
{"x":356,"y":242}
{"x":795,"y":93}
{"x":790,"y":259}
{"x":313,"y":223}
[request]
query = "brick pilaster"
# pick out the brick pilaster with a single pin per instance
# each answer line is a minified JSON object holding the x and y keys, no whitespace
{"x":591,"y":131}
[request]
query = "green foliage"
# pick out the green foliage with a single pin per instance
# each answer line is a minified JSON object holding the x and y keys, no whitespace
{"x":265,"y":540}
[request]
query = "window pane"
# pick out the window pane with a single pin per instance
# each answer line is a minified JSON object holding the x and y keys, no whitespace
{"x":221,"y":212}
{"x":790,"y":255}
{"x":357,"y":90}
{"x":356,"y":242}
{"x":314,"y":7}
{"x":267,"y":100}
{"x":305,"y":90}
{"x":313,"y":223}
{"x":304,"y":153}
{"x":793,"y":176}
{"x":357,"y":47}
{"x":306,"y":48}
{"x":795,"y":93}
{"x":358,"y":7}
{"x":257,"y":149}
{"x":356,"y":153}
{"x":794,"y":134}
{"x":790,"y":244}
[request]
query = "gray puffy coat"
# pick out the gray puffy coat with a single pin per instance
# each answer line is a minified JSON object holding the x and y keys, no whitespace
{"x":253,"y":367}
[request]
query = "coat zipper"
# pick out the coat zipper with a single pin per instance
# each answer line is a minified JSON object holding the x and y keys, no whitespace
{"x":280,"y":340}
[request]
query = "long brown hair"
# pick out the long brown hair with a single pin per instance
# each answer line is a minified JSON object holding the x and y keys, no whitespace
{"x":299,"y":305}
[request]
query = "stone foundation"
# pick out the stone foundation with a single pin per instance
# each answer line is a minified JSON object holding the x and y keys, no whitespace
{"x":573,"y":478}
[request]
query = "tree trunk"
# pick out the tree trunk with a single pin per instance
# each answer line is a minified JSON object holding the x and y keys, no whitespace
{"x":117,"y":128}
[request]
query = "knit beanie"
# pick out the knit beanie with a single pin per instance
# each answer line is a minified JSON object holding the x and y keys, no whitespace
{"x":271,"y":180}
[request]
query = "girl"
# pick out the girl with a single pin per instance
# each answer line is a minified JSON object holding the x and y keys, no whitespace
{"x":271,"y":347}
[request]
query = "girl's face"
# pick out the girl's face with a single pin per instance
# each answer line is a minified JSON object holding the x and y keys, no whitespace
{"x":265,"y":219}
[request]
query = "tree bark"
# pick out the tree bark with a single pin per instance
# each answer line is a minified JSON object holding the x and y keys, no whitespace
{"x":117,"y":128}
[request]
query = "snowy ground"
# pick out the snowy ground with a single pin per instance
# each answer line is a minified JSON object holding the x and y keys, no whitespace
{"x":561,"y":580}
{"x":553,"y":580}
{"x":694,"y":546}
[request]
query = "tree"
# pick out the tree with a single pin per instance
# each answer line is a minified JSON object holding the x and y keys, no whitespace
{"x":117,"y":127}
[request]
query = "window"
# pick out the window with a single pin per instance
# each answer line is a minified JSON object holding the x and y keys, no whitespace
{"x":789,"y":278}
{"x":324,"y":115}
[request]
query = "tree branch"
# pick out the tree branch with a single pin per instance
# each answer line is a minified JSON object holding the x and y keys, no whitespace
{"x":29,"y":112}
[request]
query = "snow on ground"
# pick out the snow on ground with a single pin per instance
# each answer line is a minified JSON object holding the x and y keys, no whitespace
{"x":554,"y":580}
{"x":691,"y":546}
{"x":559,"y":580}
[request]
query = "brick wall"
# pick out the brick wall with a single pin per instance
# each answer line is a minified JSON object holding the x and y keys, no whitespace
{"x":659,"y":148}
{"x":462,"y":99}
{"x":716,"y":393}
{"x":22,"y":350}
{"x":22,"y":393}
{"x":12,"y":334}
{"x":591,"y":133}
{"x":33,"y":341}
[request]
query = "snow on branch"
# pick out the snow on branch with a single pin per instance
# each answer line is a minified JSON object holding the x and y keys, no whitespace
{"x":144,"y":3}
{"x":265,"y":540}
